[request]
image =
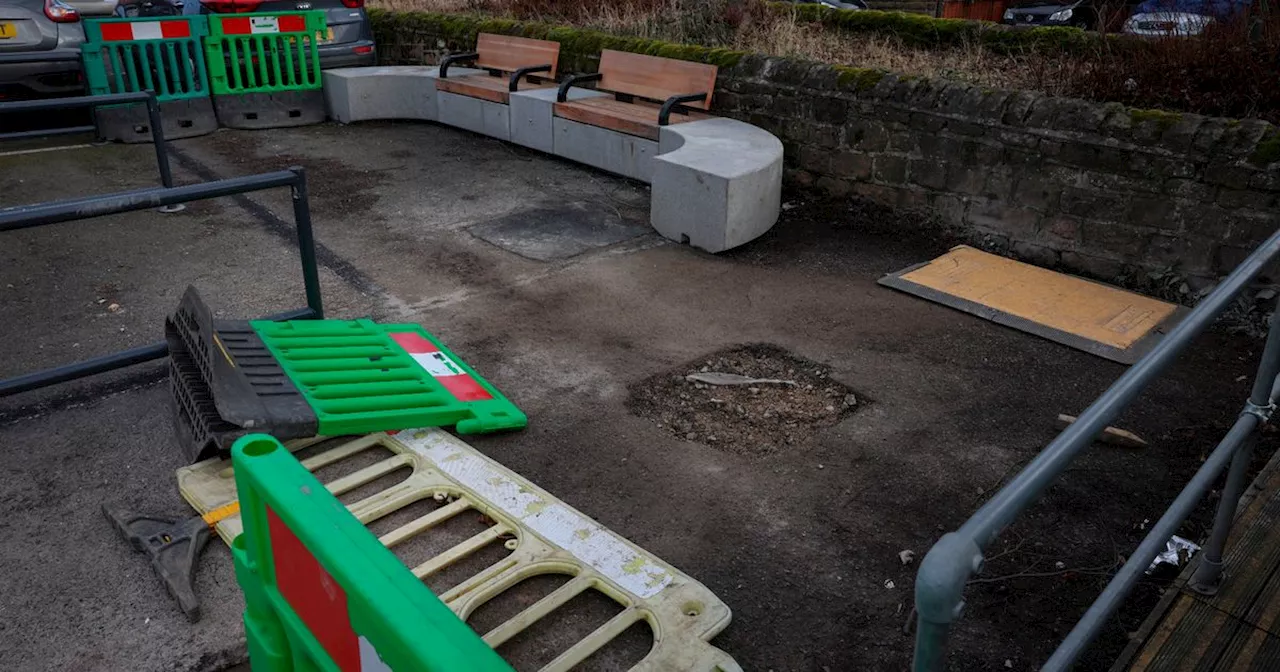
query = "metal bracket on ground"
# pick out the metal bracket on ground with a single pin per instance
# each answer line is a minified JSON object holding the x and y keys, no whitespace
{"x":173,"y":545}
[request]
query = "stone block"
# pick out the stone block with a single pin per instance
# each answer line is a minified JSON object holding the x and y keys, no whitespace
{"x":1093,"y":265}
{"x":1092,"y":205}
{"x":383,"y":92}
{"x":1061,"y":229}
{"x":717,"y":183}
{"x":889,"y":169}
{"x":851,"y":165}
{"x":1245,"y":198}
{"x":1009,"y":220}
{"x":1112,"y":239}
{"x":929,"y":174}
{"x":1034,"y":192}
{"x":1040,"y":255}
{"x":473,"y":114}
{"x":1157,"y":213}
{"x":619,"y":153}
{"x":532,"y":112}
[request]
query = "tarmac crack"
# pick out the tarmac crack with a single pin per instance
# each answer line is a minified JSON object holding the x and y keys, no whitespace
{"x":273,"y":223}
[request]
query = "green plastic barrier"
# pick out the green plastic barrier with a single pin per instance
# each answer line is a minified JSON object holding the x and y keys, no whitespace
{"x":322,"y":593}
{"x":264,"y":53}
{"x":359,"y":376}
{"x":160,"y":54}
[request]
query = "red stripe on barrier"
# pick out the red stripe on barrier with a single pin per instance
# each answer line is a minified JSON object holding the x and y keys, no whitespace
{"x":413,"y":343}
{"x":116,"y":32}
{"x":313,"y":594}
{"x":236,"y":26}
{"x":293,"y":23}
{"x":464,"y":388}
{"x":174,"y":29}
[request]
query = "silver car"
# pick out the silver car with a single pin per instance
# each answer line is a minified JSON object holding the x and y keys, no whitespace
{"x":40,"y":45}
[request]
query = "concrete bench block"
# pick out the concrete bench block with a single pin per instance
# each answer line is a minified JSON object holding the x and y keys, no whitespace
{"x":602,"y":148}
{"x":473,"y":114}
{"x":717,"y":183}
{"x":384,"y":92}
{"x":532,"y":112}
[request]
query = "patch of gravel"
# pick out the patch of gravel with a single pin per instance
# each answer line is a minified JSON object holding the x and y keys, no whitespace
{"x":757,"y":419}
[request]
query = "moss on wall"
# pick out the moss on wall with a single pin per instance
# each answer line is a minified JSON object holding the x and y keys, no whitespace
{"x":579,"y":49}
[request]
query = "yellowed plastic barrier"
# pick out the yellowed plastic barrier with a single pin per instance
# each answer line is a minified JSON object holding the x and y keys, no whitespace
{"x":543,"y":535}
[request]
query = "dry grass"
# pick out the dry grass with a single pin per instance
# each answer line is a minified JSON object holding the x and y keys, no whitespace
{"x":746,"y":27}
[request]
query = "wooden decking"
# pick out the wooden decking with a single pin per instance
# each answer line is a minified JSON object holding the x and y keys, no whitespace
{"x":1237,"y":629}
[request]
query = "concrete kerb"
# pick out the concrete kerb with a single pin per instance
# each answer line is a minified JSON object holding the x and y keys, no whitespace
{"x":717,"y":183}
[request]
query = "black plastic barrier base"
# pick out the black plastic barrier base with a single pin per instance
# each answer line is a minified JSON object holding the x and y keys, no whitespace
{"x":226,"y":383}
{"x":270,"y":110}
{"x":185,"y":118}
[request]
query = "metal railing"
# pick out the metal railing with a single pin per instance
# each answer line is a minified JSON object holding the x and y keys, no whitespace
{"x":148,"y":97}
{"x":958,"y":555}
{"x":22,"y":217}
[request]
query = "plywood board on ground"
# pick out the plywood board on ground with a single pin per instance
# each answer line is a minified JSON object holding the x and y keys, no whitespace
{"x":1107,"y":321}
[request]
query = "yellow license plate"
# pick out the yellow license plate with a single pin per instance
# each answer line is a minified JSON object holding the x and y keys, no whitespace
{"x":8,"y":30}
{"x":322,"y":37}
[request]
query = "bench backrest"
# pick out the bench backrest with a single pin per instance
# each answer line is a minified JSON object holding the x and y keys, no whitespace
{"x":654,"y":77}
{"x":508,"y":53}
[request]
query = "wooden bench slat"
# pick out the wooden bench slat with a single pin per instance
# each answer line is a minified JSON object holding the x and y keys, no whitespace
{"x":485,"y":87}
{"x":509,"y":53}
{"x":654,"y":77}
{"x":638,"y":119}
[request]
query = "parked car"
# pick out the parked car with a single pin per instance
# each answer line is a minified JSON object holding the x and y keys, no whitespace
{"x":1181,"y":18}
{"x":1085,"y":14}
{"x":348,"y":41}
{"x":40,"y":46}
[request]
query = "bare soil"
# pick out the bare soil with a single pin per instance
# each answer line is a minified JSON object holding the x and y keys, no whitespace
{"x":756,"y":419}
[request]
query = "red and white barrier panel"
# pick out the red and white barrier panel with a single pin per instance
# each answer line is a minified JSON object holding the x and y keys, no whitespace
{"x":144,"y":30}
{"x":457,"y":381}
{"x":263,"y":25}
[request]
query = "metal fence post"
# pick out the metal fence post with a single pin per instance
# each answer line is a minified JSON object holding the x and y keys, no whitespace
{"x":940,"y":582}
{"x":162,"y":150}
{"x":1208,"y":575}
{"x":306,"y":241}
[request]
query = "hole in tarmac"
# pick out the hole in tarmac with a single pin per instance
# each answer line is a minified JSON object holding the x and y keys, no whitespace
{"x":789,"y":400}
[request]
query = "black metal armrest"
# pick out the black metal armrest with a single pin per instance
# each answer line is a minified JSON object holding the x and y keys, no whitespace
{"x":455,"y":58}
{"x":562,"y":94}
{"x":664,"y":115}
{"x":519,"y":74}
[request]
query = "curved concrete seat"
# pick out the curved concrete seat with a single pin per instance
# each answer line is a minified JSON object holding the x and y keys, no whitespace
{"x":717,"y":183}
{"x":384,"y":92}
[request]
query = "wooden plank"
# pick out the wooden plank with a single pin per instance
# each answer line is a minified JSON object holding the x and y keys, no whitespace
{"x":654,"y":77}
{"x":509,"y":53}
{"x":638,"y":119}
{"x":1237,"y":628}
{"x":1110,"y":435}
{"x":1062,"y":303}
{"x":485,"y":87}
